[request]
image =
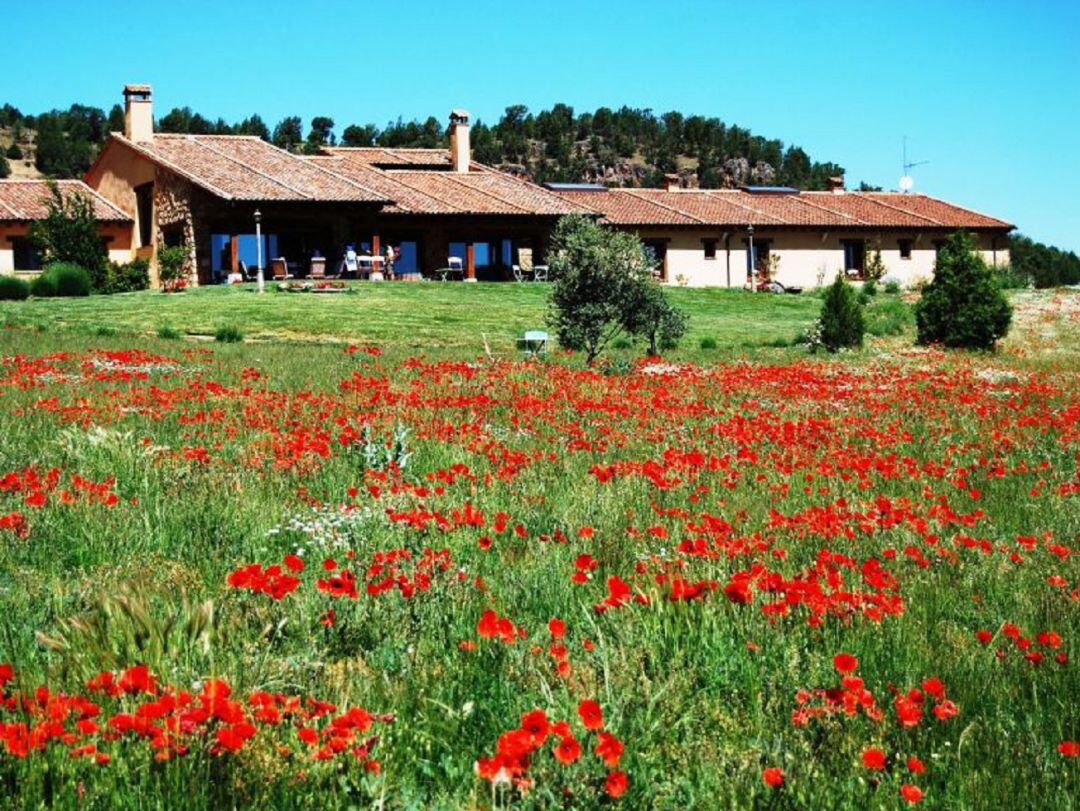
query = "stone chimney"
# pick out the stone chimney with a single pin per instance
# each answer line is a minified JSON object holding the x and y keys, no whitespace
{"x":460,"y":150}
{"x":836,"y":184}
{"x":672,"y":182}
{"x":138,"y":113}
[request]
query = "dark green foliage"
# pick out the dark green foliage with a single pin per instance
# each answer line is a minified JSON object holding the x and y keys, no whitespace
{"x":1009,"y":278}
{"x":61,"y":279}
{"x":596,"y":273}
{"x":13,"y":288}
{"x":5,"y":167}
{"x":43,"y":286}
{"x":228,"y":334}
{"x":69,"y":233}
{"x":14,"y":152}
{"x":289,"y":133}
{"x":127,"y":277}
{"x":892,"y":287}
{"x":321,"y":134}
{"x":1045,"y":265}
{"x":842,"y":323}
{"x":168,"y":333}
{"x":707,"y":343}
{"x":963,"y":305}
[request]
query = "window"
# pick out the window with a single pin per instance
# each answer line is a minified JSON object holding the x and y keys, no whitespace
{"x":25,"y":255}
{"x":905,"y":248}
{"x":710,"y":248}
{"x":854,"y":257}
{"x":144,"y":206}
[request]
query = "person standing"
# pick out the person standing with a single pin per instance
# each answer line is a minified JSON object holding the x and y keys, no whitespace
{"x":390,"y":261}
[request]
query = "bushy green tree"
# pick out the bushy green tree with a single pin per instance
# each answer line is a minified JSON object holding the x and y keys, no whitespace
{"x":288,"y":134}
{"x":69,"y":234}
{"x":172,"y":267}
{"x":1045,"y":265}
{"x":841,"y":320}
{"x":597,"y":273}
{"x":5,"y":167}
{"x":963,"y":306}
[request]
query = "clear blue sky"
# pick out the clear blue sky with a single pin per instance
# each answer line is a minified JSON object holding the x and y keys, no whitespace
{"x":988,"y":92}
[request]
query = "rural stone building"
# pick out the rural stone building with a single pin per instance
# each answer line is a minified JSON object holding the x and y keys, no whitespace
{"x":438,"y":207}
{"x":715,"y":237}
{"x":202,"y":191}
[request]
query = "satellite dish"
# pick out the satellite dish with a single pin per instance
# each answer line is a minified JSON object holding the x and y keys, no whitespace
{"x":906,"y":183}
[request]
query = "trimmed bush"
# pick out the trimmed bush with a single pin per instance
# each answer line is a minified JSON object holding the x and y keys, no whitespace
{"x":707,"y":343}
{"x":963,"y":307}
{"x":892,"y":287}
{"x":127,"y":277}
{"x":43,"y":286}
{"x":13,"y":289}
{"x":168,"y":332}
{"x":71,"y":280}
{"x":841,"y":317}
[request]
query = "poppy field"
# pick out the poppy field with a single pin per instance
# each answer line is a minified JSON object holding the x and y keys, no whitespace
{"x":362,"y":576}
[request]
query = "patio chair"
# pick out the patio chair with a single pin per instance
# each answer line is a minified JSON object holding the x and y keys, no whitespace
{"x":250,"y":275}
{"x":535,"y":341}
{"x":519,"y":272}
{"x":540,"y":273}
{"x":280,"y":269}
{"x":317,"y":270}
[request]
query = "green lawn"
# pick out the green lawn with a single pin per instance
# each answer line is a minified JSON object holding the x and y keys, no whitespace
{"x":414,"y":315}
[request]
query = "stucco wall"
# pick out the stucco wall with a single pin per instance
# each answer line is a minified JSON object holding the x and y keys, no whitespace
{"x":115,"y":176}
{"x":807,"y":258}
{"x":119,"y":246}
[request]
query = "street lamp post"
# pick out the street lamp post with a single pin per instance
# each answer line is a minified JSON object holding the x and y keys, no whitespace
{"x":750,"y":261}
{"x":258,"y":251}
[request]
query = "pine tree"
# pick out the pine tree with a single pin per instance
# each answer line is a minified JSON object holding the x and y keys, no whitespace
{"x":841,"y":317}
{"x":963,"y":305}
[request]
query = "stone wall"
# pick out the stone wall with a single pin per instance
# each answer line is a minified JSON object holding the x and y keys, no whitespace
{"x":173,"y":212}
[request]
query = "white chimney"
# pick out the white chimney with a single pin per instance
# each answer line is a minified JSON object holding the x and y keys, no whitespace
{"x":672,"y":182}
{"x":836,"y":184}
{"x":138,"y":113}
{"x":460,"y":151}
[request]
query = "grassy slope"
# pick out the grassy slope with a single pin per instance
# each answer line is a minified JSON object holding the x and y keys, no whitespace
{"x":408,"y":314}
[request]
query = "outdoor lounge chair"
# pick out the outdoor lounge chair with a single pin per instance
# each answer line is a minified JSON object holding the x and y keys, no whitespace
{"x":280,"y":268}
{"x":317,"y":269}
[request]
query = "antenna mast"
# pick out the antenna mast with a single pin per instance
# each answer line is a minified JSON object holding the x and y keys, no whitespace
{"x":906,"y":180}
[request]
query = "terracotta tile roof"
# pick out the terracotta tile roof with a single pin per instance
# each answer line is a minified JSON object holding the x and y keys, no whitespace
{"x":737,"y":208}
{"x":481,"y":190}
{"x":238,"y":167}
{"x":27,"y":200}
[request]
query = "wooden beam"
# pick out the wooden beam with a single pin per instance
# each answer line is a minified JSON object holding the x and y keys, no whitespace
{"x":470,"y":262}
{"x":234,"y":252}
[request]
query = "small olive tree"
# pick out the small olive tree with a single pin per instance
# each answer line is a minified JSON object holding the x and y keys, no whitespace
{"x":651,"y":316}
{"x":963,"y":306}
{"x":597,"y":275}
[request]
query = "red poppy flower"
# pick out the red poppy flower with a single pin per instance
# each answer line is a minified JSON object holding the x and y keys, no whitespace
{"x":616,"y":784}
{"x":911,"y":793}
{"x":845,"y":663}
{"x":873,"y":758}
{"x":608,"y":748}
{"x":1069,"y":748}
{"x":592,"y":717}
{"x":568,"y":750}
{"x":773,"y":776}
